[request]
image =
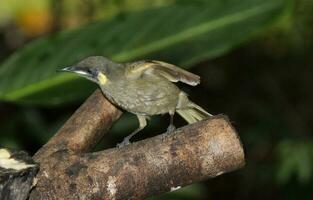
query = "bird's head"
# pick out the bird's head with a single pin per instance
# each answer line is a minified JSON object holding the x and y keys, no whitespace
{"x":94,"y":68}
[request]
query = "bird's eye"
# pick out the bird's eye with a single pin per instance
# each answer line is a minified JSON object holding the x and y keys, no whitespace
{"x":89,"y":71}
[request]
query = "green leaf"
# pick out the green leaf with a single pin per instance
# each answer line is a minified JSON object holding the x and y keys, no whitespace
{"x":182,"y":34}
{"x":294,"y":158}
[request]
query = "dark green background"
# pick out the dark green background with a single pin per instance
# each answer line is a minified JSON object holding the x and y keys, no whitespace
{"x":255,"y":62}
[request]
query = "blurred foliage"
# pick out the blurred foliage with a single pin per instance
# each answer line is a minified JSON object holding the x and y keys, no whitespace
{"x":69,"y":13}
{"x":295,"y":159}
{"x":131,"y":36}
{"x":259,"y":73}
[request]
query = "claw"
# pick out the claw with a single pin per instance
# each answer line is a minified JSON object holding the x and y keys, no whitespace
{"x":170,"y":129}
{"x":124,"y":143}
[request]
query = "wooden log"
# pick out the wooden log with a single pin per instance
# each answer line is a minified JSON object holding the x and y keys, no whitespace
{"x":17,"y":173}
{"x":142,"y":169}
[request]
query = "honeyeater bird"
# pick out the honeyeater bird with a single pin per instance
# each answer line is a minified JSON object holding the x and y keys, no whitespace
{"x":144,"y":88}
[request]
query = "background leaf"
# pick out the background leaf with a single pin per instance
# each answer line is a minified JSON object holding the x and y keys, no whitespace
{"x":264,"y":84}
{"x":179,"y":34}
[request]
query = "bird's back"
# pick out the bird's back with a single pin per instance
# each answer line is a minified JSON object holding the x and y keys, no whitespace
{"x":149,"y":95}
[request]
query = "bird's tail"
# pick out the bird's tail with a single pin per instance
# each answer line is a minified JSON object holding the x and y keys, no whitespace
{"x":193,"y":113}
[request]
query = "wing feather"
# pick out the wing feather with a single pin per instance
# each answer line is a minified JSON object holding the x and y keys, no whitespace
{"x":169,"y":71}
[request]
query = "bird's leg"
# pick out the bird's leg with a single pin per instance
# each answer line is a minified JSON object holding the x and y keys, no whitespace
{"x":171,"y":127}
{"x":142,"y":123}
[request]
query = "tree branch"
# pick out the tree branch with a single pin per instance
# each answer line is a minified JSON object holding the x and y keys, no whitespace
{"x":149,"y":167}
{"x":17,"y":173}
{"x":84,"y":129}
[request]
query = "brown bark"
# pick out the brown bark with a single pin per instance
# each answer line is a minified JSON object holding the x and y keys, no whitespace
{"x":17,"y":173}
{"x":84,"y":129}
{"x":153,"y":166}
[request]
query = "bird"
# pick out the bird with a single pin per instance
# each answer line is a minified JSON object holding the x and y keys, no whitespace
{"x":144,"y":88}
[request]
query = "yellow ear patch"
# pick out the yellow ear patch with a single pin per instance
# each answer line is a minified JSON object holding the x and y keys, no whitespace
{"x":102,"y":78}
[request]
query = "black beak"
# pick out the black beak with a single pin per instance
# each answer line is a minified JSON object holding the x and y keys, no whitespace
{"x":67,"y":69}
{"x":76,"y":70}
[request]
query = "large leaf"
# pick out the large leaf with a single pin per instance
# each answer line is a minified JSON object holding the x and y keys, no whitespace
{"x":182,"y":34}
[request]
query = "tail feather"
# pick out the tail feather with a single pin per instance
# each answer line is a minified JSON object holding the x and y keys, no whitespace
{"x":193,"y":113}
{"x":186,"y":115}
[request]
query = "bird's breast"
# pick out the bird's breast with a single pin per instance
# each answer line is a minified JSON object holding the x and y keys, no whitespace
{"x":150,"y":95}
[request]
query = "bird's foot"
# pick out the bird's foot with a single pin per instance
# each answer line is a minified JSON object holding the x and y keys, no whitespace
{"x":124,"y":143}
{"x":170,"y":130}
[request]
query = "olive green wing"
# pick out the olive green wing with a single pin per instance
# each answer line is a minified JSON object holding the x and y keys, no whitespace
{"x":169,"y":71}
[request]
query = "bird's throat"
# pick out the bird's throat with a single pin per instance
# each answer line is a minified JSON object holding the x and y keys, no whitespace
{"x":102,"y":78}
